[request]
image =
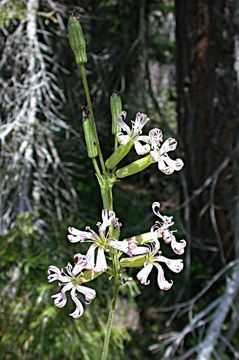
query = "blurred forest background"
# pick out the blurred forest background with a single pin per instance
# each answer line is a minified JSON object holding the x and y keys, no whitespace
{"x":179,"y":63}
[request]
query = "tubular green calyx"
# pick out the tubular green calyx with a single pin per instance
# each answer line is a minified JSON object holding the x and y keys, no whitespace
{"x":135,"y":167}
{"x":90,"y":138}
{"x":118,"y":155}
{"x":77,"y":40}
{"x":116,"y":108}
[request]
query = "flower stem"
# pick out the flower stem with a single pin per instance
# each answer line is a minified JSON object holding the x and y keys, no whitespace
{"x":89,"y":103}
{"x":107,"y":198}
{"x":110,"y":321}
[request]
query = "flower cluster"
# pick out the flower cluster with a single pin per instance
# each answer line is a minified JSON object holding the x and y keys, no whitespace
{"x":143,"y":250}
{"x":154,"y":144}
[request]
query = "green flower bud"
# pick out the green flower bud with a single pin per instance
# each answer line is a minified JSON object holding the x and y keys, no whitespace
{"x":118,"y":155}
{"x":116,"y":108}
{"x":135,"y":167}
{"x":136,"y":261}
{"x":90,"y":138}
{"x":77,"y":40}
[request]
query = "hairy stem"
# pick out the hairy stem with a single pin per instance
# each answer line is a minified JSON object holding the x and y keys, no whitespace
{"x":110,"y":321}
{"x":106,"y":194}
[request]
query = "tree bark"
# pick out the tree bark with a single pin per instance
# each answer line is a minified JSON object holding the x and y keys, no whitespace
{"x":207,"y":114}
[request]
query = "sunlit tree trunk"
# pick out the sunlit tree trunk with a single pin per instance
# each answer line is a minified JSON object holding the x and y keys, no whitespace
{"x":208,"y":115}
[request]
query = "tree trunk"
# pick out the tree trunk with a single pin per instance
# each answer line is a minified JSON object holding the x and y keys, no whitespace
{"x":207,"y":115}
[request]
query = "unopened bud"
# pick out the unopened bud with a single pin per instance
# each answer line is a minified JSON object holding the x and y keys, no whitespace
{"x":77,"y":40}
{"x":136,"y":261}
{"x":116,"y":108}
{"x":135,"y":167}
{"x":118,"y":155}
{"x":90,"y":138}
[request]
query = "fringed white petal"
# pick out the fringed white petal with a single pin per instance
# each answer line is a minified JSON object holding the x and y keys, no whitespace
{"x":81,"y":264}
{"x":141,"y":149}
{"x":169,"y":145}
{"x":101,"y":264}
{"x":89,"y":293}
{"x":155,"y":208}
{"x":176,"y":265}
{"x":139,"y":250}
{"x":178,"y":246}
{"x":143,"y":274}
{"x":176,"y":165}
{"x":156,"y":137}
{"x":162,"y":282}
{"x":60,"y":299}
{"x":55,"y":274}
{"x":123,"y":139}
{"x":140,"y":121}
{"x":119,"y":245}
{"x":79,"y":310}
{"x":78,"y":235}
{"x":167,"y":236}
{"x":121,"y":121}
{"x":107,"y":218}
{"x":90,"y":256}
{"x":167,"y":170}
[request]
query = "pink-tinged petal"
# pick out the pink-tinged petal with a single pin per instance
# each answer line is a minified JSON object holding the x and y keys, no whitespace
{"x":162,"y":282}
{"x":119,"y":245}
{"x":139,"y":250}
{"x":141,"y":149}
{"x":56,"y":274}
{"x":79,"y":310}
{"x":81,"y":264}
{"x":60,"y":299}
{"x":121,"y":121}
{"x":178,"y":246}
{"x":169,"y":145}
{"x":67,"y":287}
{"x":90,"y":256}
{"x":107,"y":218}
{"x":155,"y":208}
{"x":176,"y":265}
{"x":156,"y":137}
{"x":167,"y":236}
{"x":89,"y":293}
{"x":101,"y":264}
{"x":78,"y":235}
{"x":143,"y":274}
{"x":123,"y":139}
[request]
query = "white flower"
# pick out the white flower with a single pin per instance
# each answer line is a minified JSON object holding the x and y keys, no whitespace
{"x":134,"y":133}
{"x":153,"y":259}
{"x":162,"y":229}
{"x":96,"y":262}
{"x":128,"y":247}
{"x":71,"y":280}
{"x":159,"y":152}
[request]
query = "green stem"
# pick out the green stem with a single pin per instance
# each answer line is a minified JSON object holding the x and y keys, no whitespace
{"x":110,"y":322}
{"x":107,"y":198}
{"x":96,"y":167}
{"x":89,"y":103}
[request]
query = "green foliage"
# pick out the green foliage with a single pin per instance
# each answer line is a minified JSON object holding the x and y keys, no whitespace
{"x":12,"y":10}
